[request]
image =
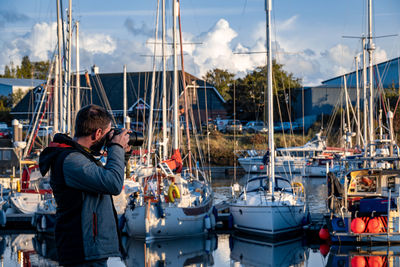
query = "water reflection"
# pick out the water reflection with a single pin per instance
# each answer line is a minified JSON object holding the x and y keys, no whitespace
{"x":237,"y":250}
{"x":249,"y":251}
{"x":178,"y":252}
{"x":224,"y":251}
{"x":364,"y":256}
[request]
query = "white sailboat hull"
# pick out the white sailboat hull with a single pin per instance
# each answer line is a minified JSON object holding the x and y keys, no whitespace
{"x":26,"y":203}
{"x":176,"y":223}
{"x":268,"y":220}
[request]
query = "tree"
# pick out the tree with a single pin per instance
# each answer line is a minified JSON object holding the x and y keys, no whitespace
{"x":27,"y":70}
{"x":250,"y":93}
{"x":221,"y":80}
{"x":16,"y":97}
{"x":41,"y":69}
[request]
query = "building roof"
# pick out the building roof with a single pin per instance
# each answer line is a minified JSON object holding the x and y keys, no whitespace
{"x":138,"y":87}
{"x":138,"y":91}
{"x":386,"y":75}
{"x":21,"y":82}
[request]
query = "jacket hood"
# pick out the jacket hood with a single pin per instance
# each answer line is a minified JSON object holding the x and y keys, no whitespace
{"x":59,"y":144}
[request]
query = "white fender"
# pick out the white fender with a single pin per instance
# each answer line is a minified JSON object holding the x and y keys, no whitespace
{"x":213,"y":221}
{"x":207,"y":222}
{"x":43,"y":222}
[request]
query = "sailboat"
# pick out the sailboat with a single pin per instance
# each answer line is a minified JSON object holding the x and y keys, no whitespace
{"x":364,"y":203}
{"x":170,"y":203}
{"x":269,"y":205}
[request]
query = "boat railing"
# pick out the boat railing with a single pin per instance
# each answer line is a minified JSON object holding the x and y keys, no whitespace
{"x":299,"y":192}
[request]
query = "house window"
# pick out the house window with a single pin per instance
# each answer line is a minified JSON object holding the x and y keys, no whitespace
{"x":6,"y":155}
{"x":38,"y":97}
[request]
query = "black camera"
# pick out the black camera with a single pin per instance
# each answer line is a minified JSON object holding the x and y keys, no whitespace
{"x":135,"y":138}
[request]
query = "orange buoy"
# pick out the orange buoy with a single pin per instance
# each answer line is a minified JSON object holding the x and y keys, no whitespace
{"x":357,"y":225}
{"x":323,"y":233}
{"x":375,"y":261}
{"x":324,"y":249}
{"x":374,"y":226}
{"x":358,"y":261}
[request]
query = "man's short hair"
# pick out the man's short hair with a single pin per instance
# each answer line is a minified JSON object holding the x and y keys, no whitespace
{"x":89,"y":119}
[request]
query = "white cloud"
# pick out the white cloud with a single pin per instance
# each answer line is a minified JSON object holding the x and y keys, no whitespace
{"x":218,"y":49}
{"x":288,"y":24}
{"x":38,"y":44}
{"x":98,"y":43}
{"x":380,"y":55}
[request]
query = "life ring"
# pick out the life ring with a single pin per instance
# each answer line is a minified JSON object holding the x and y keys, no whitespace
{"x":298,"y":184}
{"x":171,"y":190}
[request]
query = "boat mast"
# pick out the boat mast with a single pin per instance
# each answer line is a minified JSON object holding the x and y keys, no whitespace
{"x":175,"y":88}
{"x":268,"y":7}
{"x":185,"y":94}
{"x":358,"y":139}
{"x":68,"y":72}
{"x":59,"y":72}
{"x":164,"y":89}
{"x":55,"y":94}
{"x":124,"y":100}
{"x":152,"y":95}
{"x":370,"y":48}
{"x":78,"y":77}
{"x":365,"y":99}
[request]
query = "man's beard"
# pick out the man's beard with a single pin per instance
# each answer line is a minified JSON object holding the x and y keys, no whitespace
{"x":96,"y":147}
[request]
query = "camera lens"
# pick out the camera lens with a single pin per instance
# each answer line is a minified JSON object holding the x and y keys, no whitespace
{"x":135,"y":138}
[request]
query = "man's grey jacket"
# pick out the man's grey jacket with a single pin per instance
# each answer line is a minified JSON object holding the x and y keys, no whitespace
{"x":86,"y":221}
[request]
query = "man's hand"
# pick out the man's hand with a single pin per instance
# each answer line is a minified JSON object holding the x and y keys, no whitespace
{"x":122,"y":139}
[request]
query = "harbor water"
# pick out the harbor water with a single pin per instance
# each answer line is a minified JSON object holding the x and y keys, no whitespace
{"x":222,"y":248}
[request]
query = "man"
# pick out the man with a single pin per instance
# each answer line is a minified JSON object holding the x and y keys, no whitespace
{"x":86,"y":230}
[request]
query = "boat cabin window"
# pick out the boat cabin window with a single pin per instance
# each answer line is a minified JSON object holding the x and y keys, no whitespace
{"x":255,"y":184}
{"x":365,"y":184}
{"x":391,"y":182}
{"x":282,"y":184}
{"x":296,"y":154}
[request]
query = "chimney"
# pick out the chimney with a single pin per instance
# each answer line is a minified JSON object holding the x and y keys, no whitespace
{"x":95,"y":70}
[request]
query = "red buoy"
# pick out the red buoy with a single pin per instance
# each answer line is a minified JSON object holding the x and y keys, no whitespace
{"x":374,"y":225}
{"x":357,"y":225}
{"x":324,"y":249}
{"x":375,"y":261}
{"x":323,"y":233}
{"x":358,"y":261}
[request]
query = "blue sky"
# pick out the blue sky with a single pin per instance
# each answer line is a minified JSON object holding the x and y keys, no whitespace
{"x":307,"y":34}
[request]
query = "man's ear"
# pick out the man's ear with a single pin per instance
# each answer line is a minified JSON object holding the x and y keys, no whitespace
{"x":96,"y":135}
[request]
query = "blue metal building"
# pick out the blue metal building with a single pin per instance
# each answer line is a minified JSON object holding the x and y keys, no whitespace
{"x":314,"y":101}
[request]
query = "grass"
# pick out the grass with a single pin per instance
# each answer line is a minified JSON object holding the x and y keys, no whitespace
{"x":222,"y":147}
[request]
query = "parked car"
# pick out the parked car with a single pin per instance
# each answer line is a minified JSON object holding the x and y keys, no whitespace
{"x":221,"y":124}
{"x":234,"y":126}
{"x":286,"y":127}
{"x":255,"y":127}
{"x":45,"y":131}
{"x":4,"y":130}
{"x":212,"y":126}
